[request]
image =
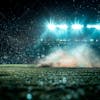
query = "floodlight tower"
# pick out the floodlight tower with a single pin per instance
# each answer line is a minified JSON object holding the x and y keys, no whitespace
{"x":51,"y":27}
{"x":77,"y":26}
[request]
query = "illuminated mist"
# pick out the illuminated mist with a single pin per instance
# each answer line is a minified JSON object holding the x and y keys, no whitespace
{"x":81,"y":56}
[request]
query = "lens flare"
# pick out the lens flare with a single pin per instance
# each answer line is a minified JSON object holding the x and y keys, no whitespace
{"x":97,"y":26}
{"x":63,"y":26}
{"x":77,"y":26}
{"x":51,"y":27}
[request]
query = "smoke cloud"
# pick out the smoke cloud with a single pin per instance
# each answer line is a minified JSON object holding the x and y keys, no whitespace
{"x":81,"y":56}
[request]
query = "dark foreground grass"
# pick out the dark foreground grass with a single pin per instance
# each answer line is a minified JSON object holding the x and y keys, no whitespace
{"x":24,"y":82}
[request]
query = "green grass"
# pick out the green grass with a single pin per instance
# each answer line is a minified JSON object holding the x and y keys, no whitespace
{"x":17,"y":65}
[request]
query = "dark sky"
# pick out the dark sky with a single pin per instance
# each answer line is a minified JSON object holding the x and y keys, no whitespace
{"x":36,"y":10}
{"x":21,"y":21}
{"x":30,"y":16}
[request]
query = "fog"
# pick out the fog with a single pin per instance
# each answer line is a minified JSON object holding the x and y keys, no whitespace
{"x":80,"y":56}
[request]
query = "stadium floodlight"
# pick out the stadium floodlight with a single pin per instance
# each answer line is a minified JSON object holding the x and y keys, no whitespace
{"x":51,"y":27}
{"x":77,"y":26}
{"x":89,"y":26}
{"x":97,"y":26}
{"x":63,"y":26}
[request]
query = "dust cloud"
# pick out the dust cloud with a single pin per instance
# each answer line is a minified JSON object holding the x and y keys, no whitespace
{"x":80,"y":56}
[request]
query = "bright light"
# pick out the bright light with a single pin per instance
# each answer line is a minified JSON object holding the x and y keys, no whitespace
{"x":97,"y":27}
{"x":63,"y":26}
{"x":94,"y":26}
{"x":89,"y":26}
{"x":51,"y":27}
{"x":77,"y":26}
{"x":91,"y":40}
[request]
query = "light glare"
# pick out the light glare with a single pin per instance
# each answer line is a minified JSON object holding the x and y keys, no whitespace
{"x":77,"y":26}
{"x":94,"y":26}
{"x":97,"y":27}
{"x":89,"y":26}
{"x":51,"y":27}
{"x":63,"y":26}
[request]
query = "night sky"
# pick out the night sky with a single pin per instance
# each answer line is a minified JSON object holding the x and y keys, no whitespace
{"x":22,"y":21}
{"x":24,"y":10}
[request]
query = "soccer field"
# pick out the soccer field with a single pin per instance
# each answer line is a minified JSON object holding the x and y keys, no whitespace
{"x":20,"y":81}
{"x":29,"y":72}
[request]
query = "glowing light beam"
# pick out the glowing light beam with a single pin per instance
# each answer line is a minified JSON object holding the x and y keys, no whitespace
{"x":51,"y":27}
{"x":77,"y":26}
{"x":63,"y":26}
{"x":97,"y":26}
